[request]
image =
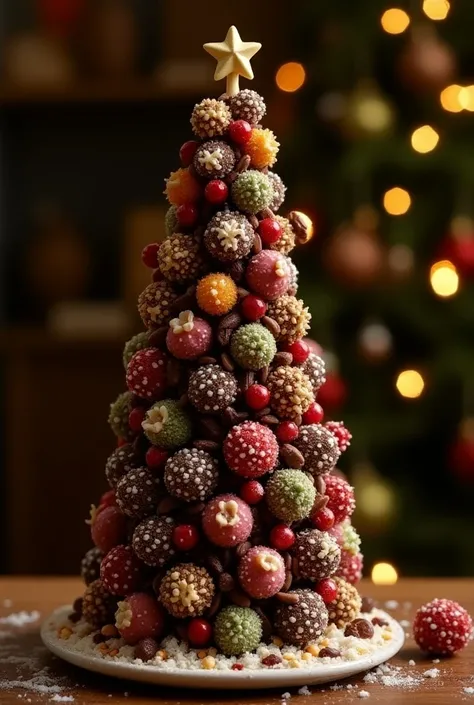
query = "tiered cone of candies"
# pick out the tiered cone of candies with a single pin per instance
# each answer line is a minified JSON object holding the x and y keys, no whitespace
{"x":225,"y":524}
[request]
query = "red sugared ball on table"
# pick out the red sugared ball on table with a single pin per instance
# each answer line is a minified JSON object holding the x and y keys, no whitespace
{"x":257,"y":396}
{"x":185,"y":537}
{"x":150,"y":255}
{"x":282,"y":537}
{"x":327,"y":588}
{"x":269,"y":230}
{"x":156,"y":457}
{"x":252,"y":492}
{"x":253,"y":307}
{"x":323,"y":519}
{"x":240,"y":131}
{"x":187,"y":152}
{"x":287,"y":431}
{"x":300,"y":351}
{"x":187,"y":215}
{"x":313,"y":414}
{"x":135,"y":419}
{"x":199,"y":632}
{"x":216,"y":191}
{"x":442,"y":627}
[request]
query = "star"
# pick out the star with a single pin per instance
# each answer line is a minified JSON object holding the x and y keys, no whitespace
{"x":233,"y":58}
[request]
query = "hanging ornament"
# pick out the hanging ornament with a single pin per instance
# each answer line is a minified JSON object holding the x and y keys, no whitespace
{"x":427,"y":64}
{"x":368,"y":113}
{"x":401,"y":261}
{"x":461,"y":452}
{"x":376,"y":499}
{"x":375,"y":342}
{"x":458,"y":246}
{"x":332,"y":395}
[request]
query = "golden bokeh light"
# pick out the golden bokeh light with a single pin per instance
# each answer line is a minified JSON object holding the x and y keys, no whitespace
{"x":308,"y":222}
{"x":384,"y":574}
{"x":444,"y":278}
{"x":396,"y":201}
{"x":424,"y":139}
{"x":436,"y":9}
{"x":394,"y":20}
{"x":466,"y":98}
{"x":376,"y":500}
{"x":410,"y":384}
{"x":290,"y":77}
{"x":450,"y":98}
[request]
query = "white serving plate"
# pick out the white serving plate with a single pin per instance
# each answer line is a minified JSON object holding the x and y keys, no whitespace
{"x":238,"y":680}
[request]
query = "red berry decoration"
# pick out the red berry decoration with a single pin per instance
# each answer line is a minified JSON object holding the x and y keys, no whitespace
{"x":121,"y":571}
{"x":253,"y":307}
{"x":199,"y":632}
{"x":146,"y":375}
{"x":187,"y":215}
{"x":108,"y":499}
{"x":216,"y":191}
{"x":251,"y":449}
{"x":135,"y":419}
{"x":156,"y":457}
{"x":300,"y":351}
{"x":108,"y":528}
{"x":150,"y":255}
{"x":282,"y":537}
{"x":287,"y":431}
{"x":257,"y":396}
{"x":139,"y":617}
{"x":342,"y":434}
{"x":313,"y":414}
{"x":341,"y":497}
{"x":327,"y":588}
{"x":187,"y":152}
{"x":269,"y":230}
{"x":442,"y":627}
{"x":252,"y":492}
{"x":350,"y":567}
{"x":323,"y":519}
{"x":240,"y":131}
{"x":185,"y":537}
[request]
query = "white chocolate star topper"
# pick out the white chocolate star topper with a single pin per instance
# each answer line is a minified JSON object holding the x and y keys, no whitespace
{"x":233,"y":59}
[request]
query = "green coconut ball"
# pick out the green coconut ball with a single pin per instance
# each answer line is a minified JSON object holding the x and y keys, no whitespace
{"x":118,"y":416}
{"x":252,"y":191}
{"x":237,"y":630}
{"x":290,"y":495}
{"x":171,"y":221}
{"x":253,"y":346}
{"x":350,"y":539}
{"x":167,"y":425}
{"x":138,"y":342}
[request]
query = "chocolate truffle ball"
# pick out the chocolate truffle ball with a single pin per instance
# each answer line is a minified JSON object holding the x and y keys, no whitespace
{"x":98,"y":605}
{"x":214,"y":160}
{"x":118,"y":416}
{"x":248,"y":105}
{"x":138,"y":342}
{"x":121,"y":461}
{"x":211,"y":389}
{"x":347,"y":604}
{"x":317,"y":553}
{"x":229,"y":236}
{"x":279,"y":190}
{"x":319,"y":449}
{"x":154,"y":304}
{"x":179,"y":258}
{"x":152,"y":540}
{"x":210,"y":118}
{"x":290,"y":390}
{"x":191,"y":475}
{"x":237,"y":630}
{"x":304,"y":621}
{"x":186,"y":590}
{"x":136,"y":493}
{"x":290,"y":495}
{"x":90,"y":565}
{"x":314,"y":367}
{"x":292,"y":316}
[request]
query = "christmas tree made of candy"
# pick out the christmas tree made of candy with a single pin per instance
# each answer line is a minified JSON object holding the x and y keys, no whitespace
{"x":225,"y":526}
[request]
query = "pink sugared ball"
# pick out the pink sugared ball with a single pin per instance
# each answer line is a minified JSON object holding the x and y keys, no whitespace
{"x":188,"y":337}
{"x":251,"y":449}
{"x":146,"y":374}
{"x":261,"y":572}
{"x":350,"y":567}
{"x":227,"y":520}
{"x":139,"y":616}
{"x":268,"y":274}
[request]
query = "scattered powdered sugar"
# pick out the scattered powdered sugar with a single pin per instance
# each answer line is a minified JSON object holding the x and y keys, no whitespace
{"x":468,"y":690}
{"x":411,"y":662}
{"x":431,"y":673}
{"x":391,"y":604}
{"x":36,"y":684}
{"x":304,"y":690}
{"x":393,"y":677}
{"x":435,"y":660}
{"x":20,"y":619}
{"x":404,"y":623}
{"x":62,"y":698}
{"x":364,"y":694}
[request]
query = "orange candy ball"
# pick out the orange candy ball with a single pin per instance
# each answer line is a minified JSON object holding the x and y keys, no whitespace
{"x":181,"y":188}
{"x":262,"y":148}
{"x":216,"y":294}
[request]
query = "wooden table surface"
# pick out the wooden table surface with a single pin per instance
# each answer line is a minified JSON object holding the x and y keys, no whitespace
{"x":24,"y":663}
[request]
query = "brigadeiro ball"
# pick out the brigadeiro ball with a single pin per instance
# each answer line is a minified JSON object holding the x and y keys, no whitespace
{"x":314,"y":367}
{"x":286,"y":242}
{"x":251,"y":449}
{"x":319,"y":449}
{"x":290,"y":392}
{"x":171,"y":221}
{"x":186,"y":590}
{"x":253,"y":346}
{"x":188,"y":337}
{"x":211,"y":389}
{"x":279,"y":190}
{"x":152,"y":540}
{"x":210,"y":118}
{"x":146,"y":374}
{"x":167,"y":425}
{"x":179,"y":258}
{"x":227,"y":520}
{"x":90,"y":565}
{"x":118,"y":416}
{"x":262,"y":572}
{"x":191,"y":475}
{"x":154,"y":304}
{"x":290,"y":495}
{"x":248,"y":105}
{"x":268,"y":274}
{"x":252,"y":191}
{"x":139,"y":616}
{"x":136,"y":493}
{"x":304,"y":621}
{"x":292,"y":316}
{"x":347,"y":604}
{"x":138,"y":342}
{"x":317,"y":553}
{"x":229,"y":236}
{"x":98,"y":605}
{"x":121,"y":461}
{"x":237,"y":630}
{"x":214,"y":160}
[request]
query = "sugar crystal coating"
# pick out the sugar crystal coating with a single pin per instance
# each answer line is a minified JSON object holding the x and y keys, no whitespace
{"x":146,"y":374}
{"x":262,"y":572}
{"x":237,"y":630}
{"x":290,"y":495}
{"x":314,"y":368}
{"x":268,"y":274}
{"x":251,"y":449}
{"x":188,"y":337}
{"x":253,"y":346}
{"x":252,"y":191}
{"x":191,"y":475}
{"x":137,"y":342}
{"x":167,"y":425}
{"x":227,"y":520}
{"x":171,"y":221}
{"x":118,"y":416}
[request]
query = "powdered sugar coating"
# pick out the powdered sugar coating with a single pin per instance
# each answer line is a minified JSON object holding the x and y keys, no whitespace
{"x":136,"y":493}
{"x":146,"y":374}
{"x":121,"y":461}
{"x":211,"y":389}
{"x":152,"y":540}
{"x":268,"y":274}
{"x":227,"y":520}
{"x":317,"y":553}
{"x":319,"y":449}
{"x":304,"y":621}
{"x":442,"y":627}
{"x":190,"y":344}
{"x":120,"y":571}
{"x":251,"y":449}
{"x":191,"y":474}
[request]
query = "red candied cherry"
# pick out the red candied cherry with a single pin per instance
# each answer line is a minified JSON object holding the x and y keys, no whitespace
{"x":216,"y":191}
{"x":240,"y":131}
{"x":185,"y":537}
{"x":252,"y":492}
{"x":108,"y":528}
{"x":155,"y":457}
{"x":313,"y":414}
{"x":327,"y":588}
{"x":269,"y":230}
{"x":300,"y":351}
{"x":150,"y":255}
{"x":237,"y":666}
{"x":135,"y":419}
{"x":287,"y":431}
{"x":199,"y":632}
{"x":187,"y":152}
{"x":282,"y":537}
{"x":187,"y":215}
{"x":108,"y":499}
{"x":253,"y":307}
{"x":324,"y":519}
{"x":257,"y":396}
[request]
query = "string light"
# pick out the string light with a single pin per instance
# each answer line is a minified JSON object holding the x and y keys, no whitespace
{"x":384,"y":574}
{"x":450,"y":98}
{"x":444,"y":278}
{"x":394,"y":20}
{"x":410,"y":384}
{"x":290,"y":77}
{"x":436,"y":9}
{"x":466,"y":98}
{"x":424,"y":139}
{"x":308,"y":222}
{"x":396,"y":201}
